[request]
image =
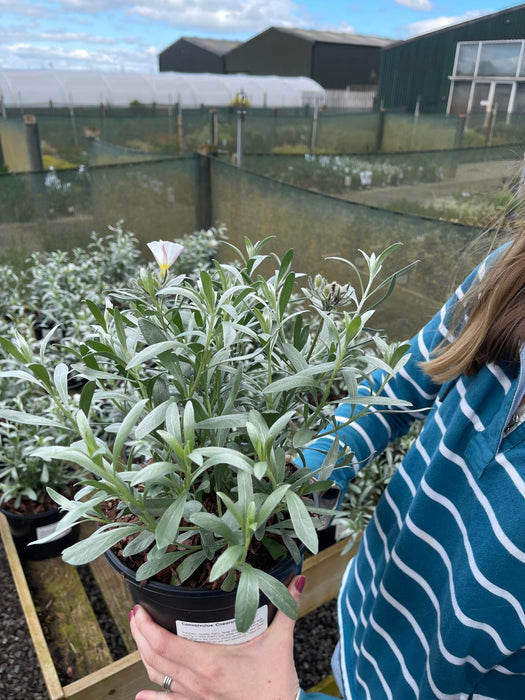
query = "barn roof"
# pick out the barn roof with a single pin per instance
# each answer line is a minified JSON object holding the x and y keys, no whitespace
{"x":217,"y":46}
{"x":327,"y":37}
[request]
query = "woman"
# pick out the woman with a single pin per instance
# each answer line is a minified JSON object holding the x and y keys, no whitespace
{"x":433,"y":605}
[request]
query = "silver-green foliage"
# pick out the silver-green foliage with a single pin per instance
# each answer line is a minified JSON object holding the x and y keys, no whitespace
{"x":51,"y":294}
{"x":210,"y":383}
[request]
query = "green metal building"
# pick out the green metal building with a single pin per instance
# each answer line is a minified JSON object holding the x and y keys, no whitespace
{"x":469,"y":67}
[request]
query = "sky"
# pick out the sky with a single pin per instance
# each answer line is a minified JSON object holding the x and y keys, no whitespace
{"x":119,"y":35}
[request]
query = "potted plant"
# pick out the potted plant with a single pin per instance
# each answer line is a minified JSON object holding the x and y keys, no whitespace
{"x":206,"y":387}
{"x":49,"y":297}
{"x":30,"y":511}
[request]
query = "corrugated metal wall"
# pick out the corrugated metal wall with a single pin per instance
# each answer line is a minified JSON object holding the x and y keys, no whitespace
{"x":336,"y":66}
{"x":420,"y":67}
{"x":185,"y":57}
{"x":332,"y":65}
{"x":271,"y":53}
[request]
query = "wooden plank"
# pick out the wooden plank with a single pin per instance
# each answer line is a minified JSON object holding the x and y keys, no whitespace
{"x":114,"y":591}
{"x":121,"y":680}
{"x":116,"y":596}
{"x":323,"y":576}
{"x":51,"y":679}
{"x":70,"y":620}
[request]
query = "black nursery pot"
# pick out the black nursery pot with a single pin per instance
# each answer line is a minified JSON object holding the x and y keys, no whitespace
{"x":28,"y":528}
{"x":203,"y":615}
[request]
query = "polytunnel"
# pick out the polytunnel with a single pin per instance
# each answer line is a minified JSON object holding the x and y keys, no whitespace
{"x":24,"y":89}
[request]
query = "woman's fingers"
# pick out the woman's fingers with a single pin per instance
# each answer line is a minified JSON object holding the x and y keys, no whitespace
{"x":221,"y":672}
{"x":282,"y":624}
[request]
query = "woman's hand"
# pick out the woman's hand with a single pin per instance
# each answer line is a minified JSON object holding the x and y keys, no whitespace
{"x":261,"y":669}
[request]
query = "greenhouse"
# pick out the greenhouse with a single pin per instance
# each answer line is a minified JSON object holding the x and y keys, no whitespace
{"x":22,"y":89}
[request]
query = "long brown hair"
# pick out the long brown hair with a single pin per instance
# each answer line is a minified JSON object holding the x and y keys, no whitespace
{"x":495,"y":328}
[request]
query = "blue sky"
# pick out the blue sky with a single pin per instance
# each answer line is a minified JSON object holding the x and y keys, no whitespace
{"x":122,"y":35}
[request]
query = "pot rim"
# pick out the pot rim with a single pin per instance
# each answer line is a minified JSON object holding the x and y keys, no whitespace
{"x":166,"y":588}
{"x":29,"y":516}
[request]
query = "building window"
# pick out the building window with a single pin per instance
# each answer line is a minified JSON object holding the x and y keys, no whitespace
{"x":519,"y":102}
{"x":467,"y":56}
{"x":499,"y":59}
{"x":480,"y":97}
{"x":488,"y":75}
{"x":460,"y":98}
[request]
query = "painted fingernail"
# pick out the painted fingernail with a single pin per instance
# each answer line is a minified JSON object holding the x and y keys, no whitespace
{"x":299,"y":583}
{"x":131,"y":613}
{"x":135,"y":610}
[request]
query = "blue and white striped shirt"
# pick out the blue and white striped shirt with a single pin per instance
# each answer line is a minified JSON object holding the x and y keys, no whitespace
{"x":433,"y":605}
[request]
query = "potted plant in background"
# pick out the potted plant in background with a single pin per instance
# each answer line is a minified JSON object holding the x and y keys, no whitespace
{"x":48,"y":298}
{"x":206,"y":386}
{"x":30,"y":511}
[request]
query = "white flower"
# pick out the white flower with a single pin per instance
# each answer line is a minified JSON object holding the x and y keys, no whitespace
{"x":165,"y":253}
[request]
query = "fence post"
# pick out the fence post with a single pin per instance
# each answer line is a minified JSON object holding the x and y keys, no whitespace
{"x":33,"y":144}
{"x":180,"y":130}
{"x":214,"y":128}
{"x":203,"y":208}
{"x":491,"y":125}
{"x":73,"y":120}
{"x":241,"y":113}
{"x":414,"y":123}
{"x":314,"y":129}
{"x":170,"y":114}
{"x":460,"y":130}
{"x":458,"y":144}
{"x":380,"y":129}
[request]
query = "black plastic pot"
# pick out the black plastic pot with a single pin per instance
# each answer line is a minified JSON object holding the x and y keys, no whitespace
{"x":201,"y":614}
{"x":28,"y":528}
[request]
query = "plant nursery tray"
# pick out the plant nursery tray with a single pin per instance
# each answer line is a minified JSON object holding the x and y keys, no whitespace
{"x":55,"y":586}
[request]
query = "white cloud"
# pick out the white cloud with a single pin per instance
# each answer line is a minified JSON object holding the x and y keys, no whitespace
{"x":27,"y":55}
{"x":431,"y":25}
{"x":29,"y":9}
{"x":76,"y":37}
{"x":231,"y":16}
{"x":424,"y":5}
{"x":92,"y":6}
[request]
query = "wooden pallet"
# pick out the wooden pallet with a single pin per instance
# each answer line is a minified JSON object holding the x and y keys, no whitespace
{"x":57,"y":589}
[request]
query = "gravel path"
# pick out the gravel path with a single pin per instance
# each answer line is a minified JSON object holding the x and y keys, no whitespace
{"x":20,"y":677}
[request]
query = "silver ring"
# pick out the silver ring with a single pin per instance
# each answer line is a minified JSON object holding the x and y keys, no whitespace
{"x":166,"y":683}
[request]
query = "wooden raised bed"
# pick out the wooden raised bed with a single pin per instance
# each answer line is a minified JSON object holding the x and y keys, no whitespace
{"x":57,"y":589}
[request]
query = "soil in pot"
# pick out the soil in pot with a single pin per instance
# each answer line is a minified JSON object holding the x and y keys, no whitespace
{"x":197,"y":610}
{"x":201,"y":614}
{"x":32,"y":521}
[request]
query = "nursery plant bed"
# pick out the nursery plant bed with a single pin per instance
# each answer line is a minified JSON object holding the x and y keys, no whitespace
{"x":72,"y":626}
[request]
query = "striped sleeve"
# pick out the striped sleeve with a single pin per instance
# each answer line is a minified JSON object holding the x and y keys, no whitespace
{"x":368,"y":435}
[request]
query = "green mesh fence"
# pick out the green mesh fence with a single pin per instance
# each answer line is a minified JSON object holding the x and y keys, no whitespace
{"x":46,"y":211}
{"x":168,"y":198}
{"x":405,"y":132}
{"x":347,"y":133}
{"x":471,"y":186}
{"x":14,"y":146}
{"x":103,"y":153}
{"x":269,"y":131}
{"x":318,"y":226}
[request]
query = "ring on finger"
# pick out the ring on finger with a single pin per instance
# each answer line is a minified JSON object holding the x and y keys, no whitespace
{"x":166,"y":683}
